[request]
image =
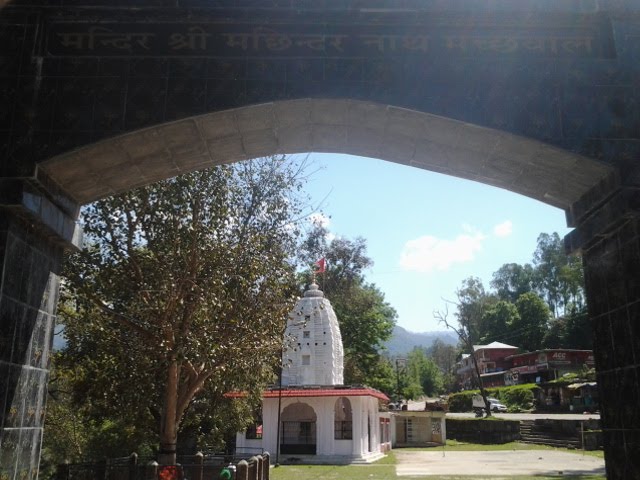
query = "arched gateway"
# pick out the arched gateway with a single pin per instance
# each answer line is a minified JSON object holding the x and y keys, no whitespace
{"x":97,"y":96}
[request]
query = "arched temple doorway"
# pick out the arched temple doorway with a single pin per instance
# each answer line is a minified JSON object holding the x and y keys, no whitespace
{"x":298,"y":430}
{"x":343,"y":419}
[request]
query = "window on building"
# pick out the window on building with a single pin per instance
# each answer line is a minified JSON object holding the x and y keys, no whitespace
{"x":254,"y":431}
{"x":306,"y":359}
{"x":409,"y":431}
{"x":306,"y":334}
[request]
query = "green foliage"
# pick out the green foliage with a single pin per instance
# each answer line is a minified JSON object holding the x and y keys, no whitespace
{"x":473,"y":302}
{"x":366,"y":320}
{"x":526,"y":297}
{"x":423,"y":372}
{"x":571,"y":331}
{"x":532,"y":321}
{"x":73,"y":433}
{"x":461,"y":401}
{"x":382,"y":376}
{"x":412,"y":391}
{"x":518,"y":398}
{"x":512,"y":280}
{"x":498,"y":319}
{"x":559,"y":278}
{"x":182,"y":291}
{"x":444,"y":356}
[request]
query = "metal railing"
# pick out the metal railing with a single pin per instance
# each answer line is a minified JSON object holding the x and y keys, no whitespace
{"x":191,"y":467}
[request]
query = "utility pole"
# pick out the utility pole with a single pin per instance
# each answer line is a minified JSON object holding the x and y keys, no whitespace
{"x":400,"y":362}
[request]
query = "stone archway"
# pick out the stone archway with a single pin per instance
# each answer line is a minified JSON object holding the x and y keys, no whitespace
{"x":529,"y":167}
{"x":561,"y":73}
{"x":569,"y":181}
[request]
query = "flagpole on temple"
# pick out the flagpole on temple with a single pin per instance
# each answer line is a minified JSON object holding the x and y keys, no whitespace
{"x":322,"y":266}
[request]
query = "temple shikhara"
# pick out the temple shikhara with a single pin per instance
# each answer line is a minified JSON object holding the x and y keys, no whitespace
{"x":313,"y":415}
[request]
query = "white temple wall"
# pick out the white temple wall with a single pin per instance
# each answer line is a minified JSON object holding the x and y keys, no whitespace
{"x":364,"y":412}
{"x":374,"y":419}
{"x":270,"y":425}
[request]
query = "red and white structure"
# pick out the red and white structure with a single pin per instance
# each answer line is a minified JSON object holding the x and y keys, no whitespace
{"x":313,"y":415}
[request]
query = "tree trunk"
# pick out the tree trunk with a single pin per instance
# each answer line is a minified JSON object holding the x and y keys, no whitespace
{"x":482,"y":390}
{"x":169,"y":424}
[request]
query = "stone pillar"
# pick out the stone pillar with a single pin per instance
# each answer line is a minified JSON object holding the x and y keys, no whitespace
{"x":609,"y":238}
{"x":33,"y":235}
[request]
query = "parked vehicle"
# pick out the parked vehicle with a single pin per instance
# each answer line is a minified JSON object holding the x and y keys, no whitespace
{"x":494,"y":404}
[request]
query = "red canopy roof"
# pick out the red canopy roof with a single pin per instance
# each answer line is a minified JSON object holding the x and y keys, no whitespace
{"x":318,"y":392}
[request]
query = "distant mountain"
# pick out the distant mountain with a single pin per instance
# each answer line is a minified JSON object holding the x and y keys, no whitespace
{"x":402,"y":341}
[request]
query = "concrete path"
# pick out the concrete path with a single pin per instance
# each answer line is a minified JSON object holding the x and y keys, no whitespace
{"x":495,"y":464}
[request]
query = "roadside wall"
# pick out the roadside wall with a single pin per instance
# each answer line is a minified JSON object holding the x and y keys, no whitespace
{"x":483,"y":431}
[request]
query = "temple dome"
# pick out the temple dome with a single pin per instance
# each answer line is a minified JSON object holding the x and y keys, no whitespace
{"x":313,"y":352}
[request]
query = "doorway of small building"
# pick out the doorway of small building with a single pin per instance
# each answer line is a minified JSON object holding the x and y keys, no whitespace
{"x":298,"y":430}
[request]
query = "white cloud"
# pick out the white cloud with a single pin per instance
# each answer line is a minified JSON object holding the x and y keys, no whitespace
{"x":319,"y":219}
{"x":429,"y":253}
{"x":503,"y":229}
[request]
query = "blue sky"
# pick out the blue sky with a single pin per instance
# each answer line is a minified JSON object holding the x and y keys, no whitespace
{"x":425,"y":231}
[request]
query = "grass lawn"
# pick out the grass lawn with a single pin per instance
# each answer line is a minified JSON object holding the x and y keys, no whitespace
{"x":385,"y":469}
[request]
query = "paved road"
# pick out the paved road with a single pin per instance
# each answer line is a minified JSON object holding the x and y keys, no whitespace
{"x":530,"y":416}
{"x":497,"y":464}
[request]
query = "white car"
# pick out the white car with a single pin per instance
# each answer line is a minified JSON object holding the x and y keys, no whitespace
{"x":496,"y":406}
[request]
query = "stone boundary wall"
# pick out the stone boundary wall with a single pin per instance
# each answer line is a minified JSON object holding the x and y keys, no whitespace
{"x":483,"y":431}
{"x":562,"y":428}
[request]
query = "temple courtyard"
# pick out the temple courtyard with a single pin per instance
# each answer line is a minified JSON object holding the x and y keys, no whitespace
{"x":497,"y":464}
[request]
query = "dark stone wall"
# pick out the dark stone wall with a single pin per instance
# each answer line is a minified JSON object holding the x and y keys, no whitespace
{"x":612,"y":267}
{"x":582,"y":96}
{"x":483,"y":431}
{"x":28,"y":296}
{"x":578,"y":96}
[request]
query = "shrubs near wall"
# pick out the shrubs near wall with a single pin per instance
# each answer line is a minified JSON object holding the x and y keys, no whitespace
{"x":461,"y":402}
{"x":517,"y":398}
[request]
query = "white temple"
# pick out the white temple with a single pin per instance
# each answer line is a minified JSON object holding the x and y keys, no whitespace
{"x":313,"y":352}
{"x":314,"y":417}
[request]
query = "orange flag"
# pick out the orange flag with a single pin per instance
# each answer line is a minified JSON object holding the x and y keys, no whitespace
{"x":321,"y":264}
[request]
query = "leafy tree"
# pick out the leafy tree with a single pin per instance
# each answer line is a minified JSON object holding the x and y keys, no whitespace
{"x":444,"y":356}
{"x":498,"y":320}
{"x":512,"y":280}
{"x":571,"y":331}
{"x":187,"y":283}
{"x":559,"y":277}
{"x":472,"y":302}
{"x":74,"y":432}
{"x":556,"y":334}
{"x":366,"y":320}
{"x":530,"y":326}
{"x":579,"y":330}
{"x":380,"y":375}
{"x":422,"y":371}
